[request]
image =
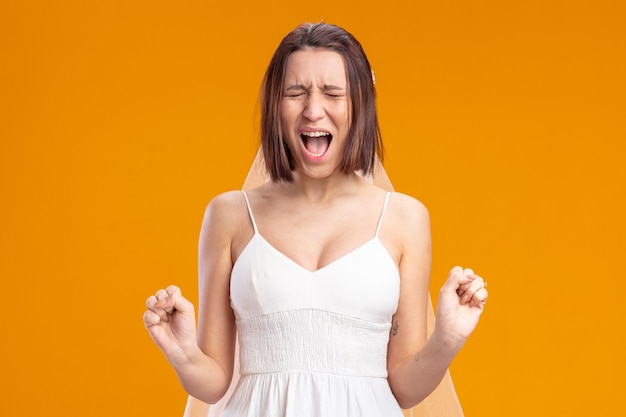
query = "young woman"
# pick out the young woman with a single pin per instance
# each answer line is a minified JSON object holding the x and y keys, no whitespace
{"x":321,"y":275}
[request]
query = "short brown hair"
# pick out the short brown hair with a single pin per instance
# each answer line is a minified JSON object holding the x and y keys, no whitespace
{"x":364,"y":139}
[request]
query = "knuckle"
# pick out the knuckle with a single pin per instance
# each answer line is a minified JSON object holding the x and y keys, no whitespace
{"x":151,"y":301}
{"x":148,"y":318}
{"x":173,"y":289}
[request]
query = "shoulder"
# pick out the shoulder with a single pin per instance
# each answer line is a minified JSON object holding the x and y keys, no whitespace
{"x":226,"y":211}
{"x":408,"y":223}
{"x":226,"y":226}
{"x":226,"y":202}
{"x":408,"y":210}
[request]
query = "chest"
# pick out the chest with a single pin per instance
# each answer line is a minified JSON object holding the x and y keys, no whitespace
{"x":362,"y":283}
{"x":316,"y":238}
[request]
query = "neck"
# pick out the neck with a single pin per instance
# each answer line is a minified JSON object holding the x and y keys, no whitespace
{"x":324,"y":189}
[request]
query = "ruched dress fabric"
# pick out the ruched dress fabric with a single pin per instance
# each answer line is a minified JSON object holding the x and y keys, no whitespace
{"x":313,"y":343}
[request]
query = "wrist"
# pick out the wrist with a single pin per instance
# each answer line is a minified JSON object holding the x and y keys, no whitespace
{"x":184,"y":356}
{"x":447,"y":341}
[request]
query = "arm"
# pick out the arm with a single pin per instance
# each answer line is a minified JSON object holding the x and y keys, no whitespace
{"x":202,"y":359}
{"x":196,"y":408}
{"x":416,"y":365}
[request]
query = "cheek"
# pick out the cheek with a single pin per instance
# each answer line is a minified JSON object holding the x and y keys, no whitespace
{"x":343,"y":117}
{"x":287,"y":124}
{"x":345,"y":110}
{"x":288,"y":113}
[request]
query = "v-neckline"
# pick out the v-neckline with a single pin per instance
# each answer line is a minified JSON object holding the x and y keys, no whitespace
{"x":322,"y":268}
{"x":375,"y":238}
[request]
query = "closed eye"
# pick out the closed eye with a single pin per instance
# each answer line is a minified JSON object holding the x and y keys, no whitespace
{"x":296,"y":95}
{"x":294,"y":91}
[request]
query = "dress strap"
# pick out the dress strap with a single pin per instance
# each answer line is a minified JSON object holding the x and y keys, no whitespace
{"x":245,"y":195}
{"x":382,"y":214}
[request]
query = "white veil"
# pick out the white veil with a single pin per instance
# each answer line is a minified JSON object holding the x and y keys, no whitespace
{"x":442,"y":402}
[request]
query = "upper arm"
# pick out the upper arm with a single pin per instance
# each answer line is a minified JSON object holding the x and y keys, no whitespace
{"x":411,"y":229}
{"x":216,"y":322}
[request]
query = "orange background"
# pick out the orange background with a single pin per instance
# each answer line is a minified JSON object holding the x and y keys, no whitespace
{"x":120,"y":120}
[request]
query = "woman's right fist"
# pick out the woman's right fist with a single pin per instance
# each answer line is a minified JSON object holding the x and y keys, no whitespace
{"x":171,"y":322}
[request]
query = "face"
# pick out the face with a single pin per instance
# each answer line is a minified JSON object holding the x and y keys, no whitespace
{"x":315,"y":110}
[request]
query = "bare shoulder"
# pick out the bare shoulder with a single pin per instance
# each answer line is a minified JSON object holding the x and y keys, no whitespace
{"x":407,"y":211}
{"x":406,"y":228}
{"x":225,"y":203}
{"x":226,"y":213}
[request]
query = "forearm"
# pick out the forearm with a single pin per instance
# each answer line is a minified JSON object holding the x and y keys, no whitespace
{"x":196,"y":408}
{"x":200,"y":375}
{"x":418,"y":375}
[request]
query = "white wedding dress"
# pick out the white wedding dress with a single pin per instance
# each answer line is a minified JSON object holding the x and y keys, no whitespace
{"x":329,"y":349}
{"x":313,"y":343}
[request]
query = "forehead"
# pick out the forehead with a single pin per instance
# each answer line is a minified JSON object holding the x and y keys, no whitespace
{"x":314,"y":65}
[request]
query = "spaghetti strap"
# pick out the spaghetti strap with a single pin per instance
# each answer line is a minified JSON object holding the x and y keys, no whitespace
{"x":245,"y":195}
{"x":382,"y":214}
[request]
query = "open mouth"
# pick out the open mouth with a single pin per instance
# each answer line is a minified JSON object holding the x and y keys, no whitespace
{"x":316,"y":143}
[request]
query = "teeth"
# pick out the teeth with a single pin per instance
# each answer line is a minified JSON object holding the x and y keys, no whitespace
{"x":315,"y":134}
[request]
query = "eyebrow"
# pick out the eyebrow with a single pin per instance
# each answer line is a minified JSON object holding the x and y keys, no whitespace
{"x":330,"y":87}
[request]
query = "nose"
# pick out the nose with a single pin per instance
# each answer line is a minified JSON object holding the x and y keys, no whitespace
{"x":314,"y":109}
